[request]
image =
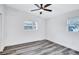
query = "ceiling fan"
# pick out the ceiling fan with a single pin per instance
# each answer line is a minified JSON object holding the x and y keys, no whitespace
{"x":42,"y":7}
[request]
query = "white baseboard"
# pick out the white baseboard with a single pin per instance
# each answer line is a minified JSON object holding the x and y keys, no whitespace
{"x":2,"y":48}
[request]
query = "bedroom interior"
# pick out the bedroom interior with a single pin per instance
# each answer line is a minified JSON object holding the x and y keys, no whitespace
{"x":39,"y":29}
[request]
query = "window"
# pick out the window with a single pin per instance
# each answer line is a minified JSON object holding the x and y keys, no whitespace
{"x":30,"y":25}
{"x":73,"y":24}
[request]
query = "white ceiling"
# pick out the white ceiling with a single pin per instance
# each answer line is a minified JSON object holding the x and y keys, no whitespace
{"x":57,"y":9}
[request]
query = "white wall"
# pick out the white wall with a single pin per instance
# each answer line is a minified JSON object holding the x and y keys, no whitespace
{"x":2,"y":25}
{"x":0,"y":28}
{"x":57,"y":31}
{"x":15,"y":30}
{"x":1,"y":41}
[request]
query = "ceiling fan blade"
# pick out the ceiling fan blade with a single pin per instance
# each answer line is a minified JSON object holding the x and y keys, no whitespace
{"x":41,"y":6}
{"x":47,"y":5}
{"x":48,"y":10}
{"x":35,"y":9}
{"x":37,"y":5}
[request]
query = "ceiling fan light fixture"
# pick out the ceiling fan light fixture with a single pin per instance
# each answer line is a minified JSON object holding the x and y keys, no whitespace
{"x":41,"y":12}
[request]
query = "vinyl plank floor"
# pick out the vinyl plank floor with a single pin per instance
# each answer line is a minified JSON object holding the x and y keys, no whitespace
{"x":42,"y":47}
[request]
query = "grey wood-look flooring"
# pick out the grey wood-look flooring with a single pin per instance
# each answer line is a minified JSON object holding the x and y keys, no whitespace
{"x":42,"y":47}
